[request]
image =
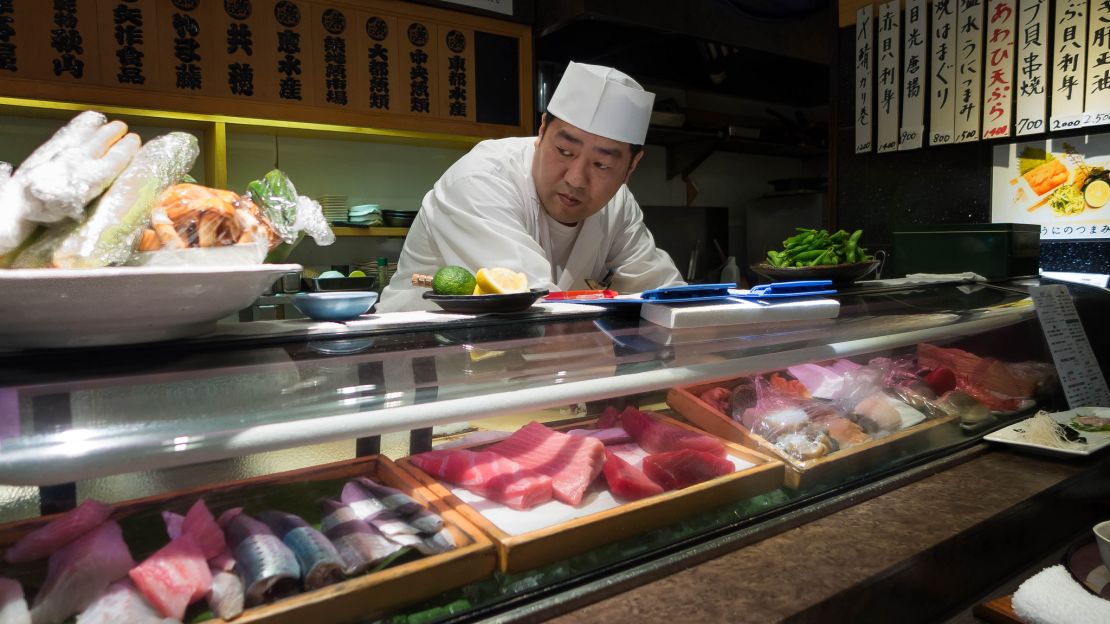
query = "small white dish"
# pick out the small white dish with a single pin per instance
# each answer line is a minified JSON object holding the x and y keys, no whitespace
{"x":1096,"y":440}
{"x":1102,"y":537}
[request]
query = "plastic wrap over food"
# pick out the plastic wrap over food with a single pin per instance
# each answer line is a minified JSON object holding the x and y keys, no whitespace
{"x":77,"y":174}
{"x":194,"y":224}
{"x":288,"y":213}
{"x":113,"y":224}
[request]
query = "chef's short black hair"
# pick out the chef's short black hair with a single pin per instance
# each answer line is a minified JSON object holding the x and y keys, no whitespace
{"x":634,"y":148}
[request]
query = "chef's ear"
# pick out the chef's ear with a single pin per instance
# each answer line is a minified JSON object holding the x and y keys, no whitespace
{"x":543,"y":128}
{"x":632,"y":164}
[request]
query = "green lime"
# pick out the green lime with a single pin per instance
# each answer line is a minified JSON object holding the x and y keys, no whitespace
{"x":453,"y":280}
{"x":357,"y":273}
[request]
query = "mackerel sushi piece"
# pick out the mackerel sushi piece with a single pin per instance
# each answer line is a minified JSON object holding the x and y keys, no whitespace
{"x":657,"y":437}
{"x":440,"y":542}
{"x":44,"y":541}
{"x":425,"y":521}
{"x":489,"y":475}
{"x":392,"y":525}
{"x":319,"y":561}
{"x":174,"y":577}
{"x":13,"y":607}
{"x":268,"y":568}
{"x":361,"y":501}
{"x":122,"y":602}
{"x":678,"y":469}
{"x":627,"y":482}
{"x":80,"y":571}
{"x":395,"y":500}
{"x":359,"y":544}
{"x":572,"y":462}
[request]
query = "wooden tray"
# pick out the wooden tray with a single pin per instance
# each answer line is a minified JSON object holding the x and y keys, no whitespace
{"x":687,"y":402}
{"x":998,"y":611}
{"x":543,"y":546}
{"x":359,"y":598}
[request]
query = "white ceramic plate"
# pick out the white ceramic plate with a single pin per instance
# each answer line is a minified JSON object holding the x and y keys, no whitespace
{"x":123,"y":305}
{"x":1096,"y":440}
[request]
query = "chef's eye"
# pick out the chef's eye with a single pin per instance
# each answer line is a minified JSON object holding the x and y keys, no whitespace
{"x":563,"y":152}
{"x":602,"y":166}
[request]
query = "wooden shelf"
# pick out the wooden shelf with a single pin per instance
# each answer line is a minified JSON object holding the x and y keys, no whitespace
{"x":371,"y":231}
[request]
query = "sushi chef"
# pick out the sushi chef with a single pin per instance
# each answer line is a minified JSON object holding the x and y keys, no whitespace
{"x":555,"y":206}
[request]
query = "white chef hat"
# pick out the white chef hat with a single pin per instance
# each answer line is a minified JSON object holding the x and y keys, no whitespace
{"x":603,"y":101}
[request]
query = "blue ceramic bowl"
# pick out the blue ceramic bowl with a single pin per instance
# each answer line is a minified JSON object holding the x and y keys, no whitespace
{"x":334,"y":305}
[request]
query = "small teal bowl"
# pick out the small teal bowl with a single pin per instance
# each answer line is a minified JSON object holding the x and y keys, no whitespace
{"x":334,"y":305}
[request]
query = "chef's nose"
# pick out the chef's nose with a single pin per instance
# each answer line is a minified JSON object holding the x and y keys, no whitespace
{"x":576,"y":173}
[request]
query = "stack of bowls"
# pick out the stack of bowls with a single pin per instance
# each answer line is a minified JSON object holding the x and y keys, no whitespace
{"x":335,"y":207}
{"x":365,"y":214}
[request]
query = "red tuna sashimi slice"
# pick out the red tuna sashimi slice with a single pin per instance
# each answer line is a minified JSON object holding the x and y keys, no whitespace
{"x":678,"y":469}
{"x":572,"y":462}
{"x":80,"y":572}
{"x":174,"y":577}
{"x":202,"y":528}
{"x":609,"y":418}
{"x":626,"y":481}
{"x":657,"y":437}
{"x":608,"y":436}
{"x":488,"y":474}
{"x":66,"y":528}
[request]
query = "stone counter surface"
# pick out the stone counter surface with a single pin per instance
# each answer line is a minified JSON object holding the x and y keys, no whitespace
{"x":902,"y":554}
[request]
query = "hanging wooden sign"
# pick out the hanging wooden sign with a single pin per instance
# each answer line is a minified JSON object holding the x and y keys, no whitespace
{"x":1069,"y":63}
{"x":865,"y":54}
{"x":998,"y":94}
{"x":969,"y":69}
{"x":942,"y":79}
{"x":915,"y":43}
{"x":888,"y":94}
{"x":375,"y":63}
{"x":1097,"y":104}
{"x":1031,"y":54}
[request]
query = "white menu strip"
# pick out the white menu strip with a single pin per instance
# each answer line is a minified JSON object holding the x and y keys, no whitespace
{"x":942,"y":78}
{"x":1069,"y":64}
{"x":915,"y":44}
{"x":969,"y":69}
{"x":1032,"y":66}
{"x":1097,"y":105}
{"x":998,"y":92}
{"x":865,"y":54}
{"x":888,"y":94}
{"x":1076,"y":365}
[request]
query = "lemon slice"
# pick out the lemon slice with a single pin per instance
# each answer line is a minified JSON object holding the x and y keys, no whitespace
{"x":499,"y":280}
{"x":1097,"y":193}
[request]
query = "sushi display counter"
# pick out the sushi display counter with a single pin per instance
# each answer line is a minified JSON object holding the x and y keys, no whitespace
{"x":706,"y":448}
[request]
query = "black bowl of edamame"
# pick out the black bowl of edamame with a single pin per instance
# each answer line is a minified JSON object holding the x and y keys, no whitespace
{"x":840,"y":274}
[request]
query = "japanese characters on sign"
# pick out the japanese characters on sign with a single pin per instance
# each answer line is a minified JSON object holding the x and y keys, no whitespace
{"x":913,"y":74}
{"x":969,"y":70}
{"x":186,"y":46}
{"x":999,"y":75}
{"x":335,"y":55}
{"x":888,"y":93}
{"x":456,"y":73}
{"x":1031,"y":53}
{"x":239,"y":40}
{"x":1097,"y":105}
{"x":288,"y":16}
{"x":66,"y":40}
{"x":865,"y":53}
{"x":380,"y":54}
{"x":942,"y":79}
{"x":1069,"y":63}
{"x":419,"y":69}
{"x":8,"y":59}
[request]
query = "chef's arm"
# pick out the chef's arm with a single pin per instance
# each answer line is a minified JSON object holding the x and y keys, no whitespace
{"x":476,"y":223}
{"x":636,"y":262}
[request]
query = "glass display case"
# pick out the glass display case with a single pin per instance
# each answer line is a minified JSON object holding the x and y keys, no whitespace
{"x":122,"y":423}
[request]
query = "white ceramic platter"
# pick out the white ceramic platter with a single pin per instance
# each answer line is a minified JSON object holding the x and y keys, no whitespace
{"x":44,"y":308}
{"x":1096,"y":440}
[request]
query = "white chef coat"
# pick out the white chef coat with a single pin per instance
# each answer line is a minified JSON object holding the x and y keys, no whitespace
{"x":484,"y":212}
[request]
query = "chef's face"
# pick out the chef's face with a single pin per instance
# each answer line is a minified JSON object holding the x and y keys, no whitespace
{"x":577,"y":172}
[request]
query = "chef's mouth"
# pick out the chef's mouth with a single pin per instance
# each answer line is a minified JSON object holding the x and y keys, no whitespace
{"x":568,"y":200}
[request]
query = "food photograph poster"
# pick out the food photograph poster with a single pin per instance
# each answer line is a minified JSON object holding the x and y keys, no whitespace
{"x":1062,"y":185}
